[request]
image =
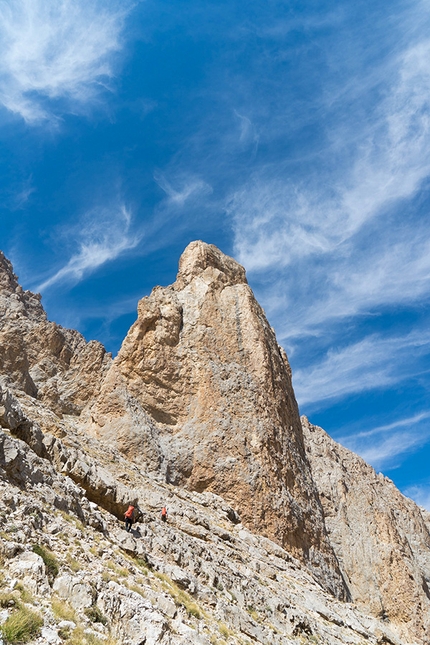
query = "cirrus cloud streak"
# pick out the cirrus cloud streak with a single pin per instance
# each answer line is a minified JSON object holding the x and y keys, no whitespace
{"x":52,"y":51}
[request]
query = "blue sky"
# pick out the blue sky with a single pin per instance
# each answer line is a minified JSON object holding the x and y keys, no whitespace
{"x":293,"y":135}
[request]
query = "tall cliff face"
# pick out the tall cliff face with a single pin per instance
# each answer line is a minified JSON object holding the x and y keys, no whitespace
{"x":201,"y":392}
{"x":380,"y":537}
{"x":50,"y":363}
{"x":199,"y":401}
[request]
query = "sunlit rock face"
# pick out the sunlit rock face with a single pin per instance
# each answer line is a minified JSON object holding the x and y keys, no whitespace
{"x":380,"y":537}
{"x":197,"y":411}
{"x":201,"y":391}
{"x":41,"y":358}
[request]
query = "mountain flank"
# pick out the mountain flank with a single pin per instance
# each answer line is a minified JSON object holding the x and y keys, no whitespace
{"x":275,"y":533}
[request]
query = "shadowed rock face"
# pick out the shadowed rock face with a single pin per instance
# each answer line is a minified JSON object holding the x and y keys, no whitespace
{"x":380,"y":536}
{"x":50,"y":363}
{"x":201,"y":391}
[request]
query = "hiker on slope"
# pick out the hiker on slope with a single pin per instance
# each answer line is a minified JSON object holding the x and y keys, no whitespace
{"x":129,"y":516}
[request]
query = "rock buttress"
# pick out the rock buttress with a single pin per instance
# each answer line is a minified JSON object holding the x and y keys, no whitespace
{"x":201,"y":392}
{"x":380,"y":536}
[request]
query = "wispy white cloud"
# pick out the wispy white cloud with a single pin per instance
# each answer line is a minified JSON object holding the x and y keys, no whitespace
{"x":400,"y":423}
{"x":183,"y":188}
{"x":279,"y":221}
{"x":103,"y":237}
{"x":327,"y":250}
{"x":56,"y":50}
{"x":21,"y":198}
{"x":373,"y":363}
{"x":420,"y":494}
{"x":386,"y":446}
{"x":390,"y":451}
{"x":248,"y":134}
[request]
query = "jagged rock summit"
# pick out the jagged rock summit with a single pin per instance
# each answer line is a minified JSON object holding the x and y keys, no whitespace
{"x":52,"y":364}
{"x":275,"y":532}
{"x":202,"y":392}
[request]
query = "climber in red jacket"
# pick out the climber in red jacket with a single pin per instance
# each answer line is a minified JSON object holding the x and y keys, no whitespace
{"x":129,"y":517}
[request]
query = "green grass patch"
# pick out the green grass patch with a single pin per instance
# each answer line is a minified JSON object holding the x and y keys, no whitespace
{"x":73,"y":563}
{"x":9,"y":599}
{"x":137,"y":589}
{"x":224,"y":630}
{"x":62,"y":610}
{"x":253,"y":613}
{"x":78,"y":637}
{"x":181,"y":597}
{"x":119,"y":571}
{"x":22,"y":626}
{"x":108,"y":577}
{"x":142,"y":564}
{"x":96,"y":615}
{"x":51,"y":562}
{"x":66,"y":517}
{"x":26,"y":596}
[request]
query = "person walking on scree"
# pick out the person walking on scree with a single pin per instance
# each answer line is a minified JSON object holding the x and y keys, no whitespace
{"x":129,"y":517}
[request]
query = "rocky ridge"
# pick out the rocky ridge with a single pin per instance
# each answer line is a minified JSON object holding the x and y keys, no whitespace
{"x":201,"y":578}
{"x":380,"y":537}
{"x":52,"y":364}
{"x":276,"y":534}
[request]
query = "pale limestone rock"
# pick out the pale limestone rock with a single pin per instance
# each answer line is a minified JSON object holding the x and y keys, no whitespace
{"x":136,"y":619}
{"x":50,"y":636}
{"x":53,"y":364}
{"x":380,"y":537}
{"x":201,"y":391}
{"x":280,"y":607}
{"x":79,"y":593}
{"x":30,"y":569}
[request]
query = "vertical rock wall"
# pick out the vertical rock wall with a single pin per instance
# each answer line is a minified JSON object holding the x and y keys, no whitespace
{"x":202,"y":392}
{"x":380,"y":537}
{"x":46,"y":361}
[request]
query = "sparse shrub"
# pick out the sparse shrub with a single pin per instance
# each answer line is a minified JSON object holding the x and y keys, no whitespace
{"x":51,"y":562}
{"x":224,"y":630}
{"x":181,"y":597}
{"x":22,"y":626}
{"x":73,"y":564}
{"x":8,"y":599}
{"x":24,"y":593}
{"x":96,"y":615}
{"x":78,"y":637}
{"x":62,"y":610}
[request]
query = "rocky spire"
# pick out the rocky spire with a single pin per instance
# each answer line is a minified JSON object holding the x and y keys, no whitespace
{"x":201,"y":392}
{"x":8,"y":280}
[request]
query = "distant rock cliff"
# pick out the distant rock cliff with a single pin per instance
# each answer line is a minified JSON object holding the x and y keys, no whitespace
{"x":50,"y":363}
{"x":380,"y":536}
{"x":196,"y":411}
